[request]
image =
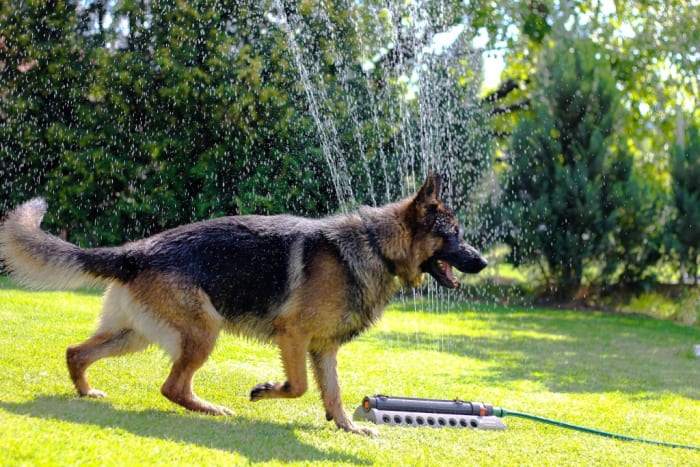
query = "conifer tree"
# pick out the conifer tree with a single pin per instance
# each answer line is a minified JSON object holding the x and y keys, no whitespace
{"x":685,"y":225}
{"x":564,"y":166}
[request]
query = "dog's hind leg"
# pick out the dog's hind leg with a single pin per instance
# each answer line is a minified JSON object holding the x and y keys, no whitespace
{"x":102,"y":344}
{"x":324,"y":364}
{"x":115,"y":336}
{"x":195,"y":347}
{"x":182,"y":320}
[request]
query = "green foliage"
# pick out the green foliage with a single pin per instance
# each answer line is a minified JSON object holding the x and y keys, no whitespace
{"x":635,"y":242}
{"x":683,"y":306}
{"x":135,"y":116}
{"x":567,"y":182}
{"x":685,"y":224}
{"x":164,"y":117}
{"x":44,"y":72}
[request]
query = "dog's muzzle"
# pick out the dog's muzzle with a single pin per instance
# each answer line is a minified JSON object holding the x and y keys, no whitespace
{"x":465,"y":258}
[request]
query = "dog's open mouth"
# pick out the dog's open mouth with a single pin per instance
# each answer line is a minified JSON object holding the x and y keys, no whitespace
{"x":442,"y":272}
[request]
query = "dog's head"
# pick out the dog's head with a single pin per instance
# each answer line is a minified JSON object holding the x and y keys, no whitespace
{"x":441,"y":236}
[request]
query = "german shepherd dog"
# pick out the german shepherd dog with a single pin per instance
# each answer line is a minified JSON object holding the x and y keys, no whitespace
{"x":308,"y":285}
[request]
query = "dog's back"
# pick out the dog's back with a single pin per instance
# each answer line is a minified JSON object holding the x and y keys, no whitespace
{"x":229,"y":253}
{"x":249,"y":266}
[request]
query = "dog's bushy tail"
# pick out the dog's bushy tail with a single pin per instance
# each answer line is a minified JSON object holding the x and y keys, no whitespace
{"x":40,"y":260}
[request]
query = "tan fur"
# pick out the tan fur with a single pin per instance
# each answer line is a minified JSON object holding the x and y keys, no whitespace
{"x":154,"y":308}
{"x":308,"y":328}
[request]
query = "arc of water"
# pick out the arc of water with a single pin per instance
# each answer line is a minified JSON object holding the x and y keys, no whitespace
{"x":328,"y":136}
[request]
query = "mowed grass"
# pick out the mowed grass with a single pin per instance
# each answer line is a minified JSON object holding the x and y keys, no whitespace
{"x":631,"y":375}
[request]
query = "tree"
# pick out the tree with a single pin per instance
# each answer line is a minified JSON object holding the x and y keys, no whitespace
{"x":169,"y":113}
{"x":138,"y":115}
{"x":634,"y":204}
{"x":45,"y":75}
{"x":564,"y":166}
{"x":685,"y":174}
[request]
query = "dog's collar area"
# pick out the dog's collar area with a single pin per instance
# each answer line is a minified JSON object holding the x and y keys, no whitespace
{"x":374,"y":244}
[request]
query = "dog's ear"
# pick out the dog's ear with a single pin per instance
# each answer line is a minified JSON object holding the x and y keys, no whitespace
{"x":427,"y":200}
{"x":430,"y":189}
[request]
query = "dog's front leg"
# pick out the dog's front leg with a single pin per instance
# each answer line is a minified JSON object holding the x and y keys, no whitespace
{"x":324,"y":364}
{"x":293,"y":347}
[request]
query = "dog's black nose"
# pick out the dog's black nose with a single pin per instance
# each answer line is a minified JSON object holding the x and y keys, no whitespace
{"x":474,"y":263}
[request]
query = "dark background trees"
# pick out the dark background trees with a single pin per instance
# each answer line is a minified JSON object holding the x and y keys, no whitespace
{"x":134,"y":116}
{"x":684,"y":225}
{"x":170,"y":114}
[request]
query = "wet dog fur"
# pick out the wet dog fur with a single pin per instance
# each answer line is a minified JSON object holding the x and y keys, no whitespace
{"x":307,"y":285}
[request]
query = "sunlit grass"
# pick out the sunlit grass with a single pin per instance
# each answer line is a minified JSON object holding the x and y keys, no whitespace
{"x":626,"y":374}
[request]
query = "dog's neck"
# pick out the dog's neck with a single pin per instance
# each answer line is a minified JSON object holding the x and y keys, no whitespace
{"x":377,"y":247}
{"x":388,"y":234}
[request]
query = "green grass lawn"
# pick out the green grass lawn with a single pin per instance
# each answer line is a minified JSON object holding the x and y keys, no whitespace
{"x":631,"y":375}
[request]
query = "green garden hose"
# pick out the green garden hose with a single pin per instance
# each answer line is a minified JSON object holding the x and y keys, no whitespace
{"x":499,"y":412}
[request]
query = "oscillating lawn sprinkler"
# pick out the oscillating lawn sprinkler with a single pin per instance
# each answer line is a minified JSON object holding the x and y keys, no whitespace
{"x":408,"y":411}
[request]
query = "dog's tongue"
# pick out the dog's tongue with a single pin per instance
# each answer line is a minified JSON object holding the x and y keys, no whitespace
{"x":447,"y":271}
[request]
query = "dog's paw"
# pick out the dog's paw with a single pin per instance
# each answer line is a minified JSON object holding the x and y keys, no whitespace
{"x":344,"y":423}
{"x":94,"y":394}
{"x":219,"y":410}
{"x":359,"y":430}
{"x":366,"y":431}
{"x":259,"y":391}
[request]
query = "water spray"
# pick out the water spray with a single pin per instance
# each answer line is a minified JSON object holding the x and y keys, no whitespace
{"x":436,"y":413}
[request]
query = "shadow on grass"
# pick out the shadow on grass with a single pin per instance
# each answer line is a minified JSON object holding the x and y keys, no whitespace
{"x":256,"y":440}
{"x":567,"y":351}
